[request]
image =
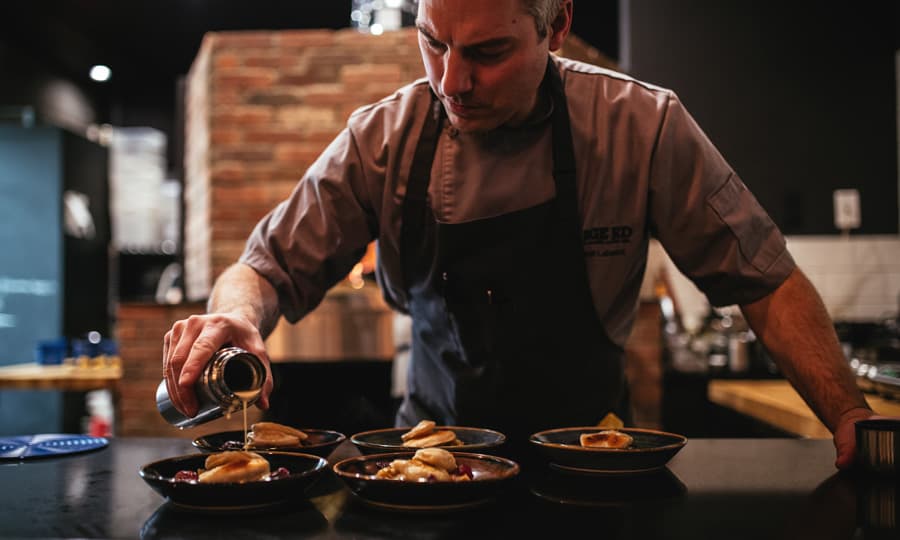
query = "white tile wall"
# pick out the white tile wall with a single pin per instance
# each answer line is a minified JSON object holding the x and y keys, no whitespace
{"x":857,"y":277}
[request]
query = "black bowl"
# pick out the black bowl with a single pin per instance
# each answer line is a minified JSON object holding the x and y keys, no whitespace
{"x":491,"y":474}
{"x":389,"y":440}
{"x":321,"y":442}
{"x":304,"y":470}
{"x":649,"y":452}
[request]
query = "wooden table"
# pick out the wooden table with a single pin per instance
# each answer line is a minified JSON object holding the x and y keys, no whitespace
{"x":69,"y":378}
{"x":775,"y":402}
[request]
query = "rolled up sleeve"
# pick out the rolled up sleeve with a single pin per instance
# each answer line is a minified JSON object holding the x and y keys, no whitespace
{"x":711,"y":225}
{"x":311,"y":240}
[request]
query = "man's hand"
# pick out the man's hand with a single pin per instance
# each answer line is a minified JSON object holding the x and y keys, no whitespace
{"x":192,"y":342}
{"x":845,"y":436}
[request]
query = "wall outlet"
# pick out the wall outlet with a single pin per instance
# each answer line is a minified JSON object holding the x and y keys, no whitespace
{"x":846,"y":209}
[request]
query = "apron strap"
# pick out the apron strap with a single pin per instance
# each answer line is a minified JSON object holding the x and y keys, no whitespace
{"x":564,"y":168}
{"x":415,"y":203}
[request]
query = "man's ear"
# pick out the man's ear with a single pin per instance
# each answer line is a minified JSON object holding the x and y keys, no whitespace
{"x":560,"y":26}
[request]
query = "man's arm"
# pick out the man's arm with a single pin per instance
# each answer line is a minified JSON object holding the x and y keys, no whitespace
{"x":241,"y":290}
{"x":242,"y":310}
{"x":795,"y":328}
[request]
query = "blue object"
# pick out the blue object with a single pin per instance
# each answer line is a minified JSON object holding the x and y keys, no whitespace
{"x":109,"y":347}
{"x":48,"y":445}
{"x":83,"y":347}
{"x":51,"y":351}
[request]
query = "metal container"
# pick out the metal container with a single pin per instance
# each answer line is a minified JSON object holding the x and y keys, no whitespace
{"x":229,"y":371}
{"x":739,"y":352}
{"x":878,"y":445}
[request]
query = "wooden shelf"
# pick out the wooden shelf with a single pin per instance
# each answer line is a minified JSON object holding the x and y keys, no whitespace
{"x":33,"y":376}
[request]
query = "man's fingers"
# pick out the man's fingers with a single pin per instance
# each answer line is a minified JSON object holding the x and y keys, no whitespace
{"x":845,"y":436}
{"x":172,"y":386}
{"x":166,"y":340}
{"x":202,"y":349}
{"x":207,"y":342}
{"x":846,"y":453}
{"x":263,"y":402}
{"x":168,"y":374}
{"x":181,"y":387}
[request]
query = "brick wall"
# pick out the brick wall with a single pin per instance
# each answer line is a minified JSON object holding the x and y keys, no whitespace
{"x":260,"y":108}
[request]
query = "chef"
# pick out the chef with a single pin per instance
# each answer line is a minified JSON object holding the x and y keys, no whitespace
{"x":513,"y":193}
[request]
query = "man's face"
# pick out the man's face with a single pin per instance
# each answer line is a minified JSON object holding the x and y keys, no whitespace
{"x":483,"y":59}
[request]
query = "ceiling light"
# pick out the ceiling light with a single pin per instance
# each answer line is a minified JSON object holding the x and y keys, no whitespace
{"x":100,"y":73}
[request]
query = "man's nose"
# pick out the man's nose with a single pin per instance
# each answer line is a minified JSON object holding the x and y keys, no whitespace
{"x":457,"y":79}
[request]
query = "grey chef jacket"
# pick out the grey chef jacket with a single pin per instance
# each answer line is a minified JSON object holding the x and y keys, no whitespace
{"x":643,"y":167}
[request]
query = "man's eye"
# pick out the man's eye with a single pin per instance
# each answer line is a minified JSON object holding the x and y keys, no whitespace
{"x":488,"y":54}
{"x":436,"y":45}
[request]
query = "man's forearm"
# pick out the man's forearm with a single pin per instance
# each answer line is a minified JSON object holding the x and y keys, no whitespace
{"x":241,"y":290}
{"x":795,"y":328}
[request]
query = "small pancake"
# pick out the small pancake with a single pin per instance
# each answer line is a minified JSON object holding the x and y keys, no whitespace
{"x":234,"y":456}
{"x":234,"y":467}
{"x":421,"y":429}
{"x":268,"y":439}
{"x":437,"y":438}
{"x":272,"y":427}
{"x":609,"y":438}
{"x":436,"y":457}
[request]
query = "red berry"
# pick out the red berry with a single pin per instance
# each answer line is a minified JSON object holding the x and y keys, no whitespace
{"x":186,"y":476}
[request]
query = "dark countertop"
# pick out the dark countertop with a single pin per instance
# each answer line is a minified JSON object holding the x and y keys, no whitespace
{"x":714,"y":488}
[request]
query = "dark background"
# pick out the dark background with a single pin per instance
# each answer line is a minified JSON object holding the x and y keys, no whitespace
{"x":150,"y":44}
{"x":800,"y":97}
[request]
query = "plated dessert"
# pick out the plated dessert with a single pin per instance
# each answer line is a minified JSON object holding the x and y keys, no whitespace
{"x":595,"y":451}
{"x":608,"y":438}
{"x":232,"y":466}
{"x":427,"y":465}
{"x":233,"y":481}
{"x":427,"y":434}
{"x":273,"y":436}
{"x":430,"y":479}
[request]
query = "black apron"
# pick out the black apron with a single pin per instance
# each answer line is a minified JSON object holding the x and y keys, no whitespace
{"x":504,"y":330}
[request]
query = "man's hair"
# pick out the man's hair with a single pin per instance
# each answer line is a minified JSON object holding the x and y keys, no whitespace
{"x":544,"y":12}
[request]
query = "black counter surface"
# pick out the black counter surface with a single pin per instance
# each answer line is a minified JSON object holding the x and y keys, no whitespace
{"x":714,"y":488}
